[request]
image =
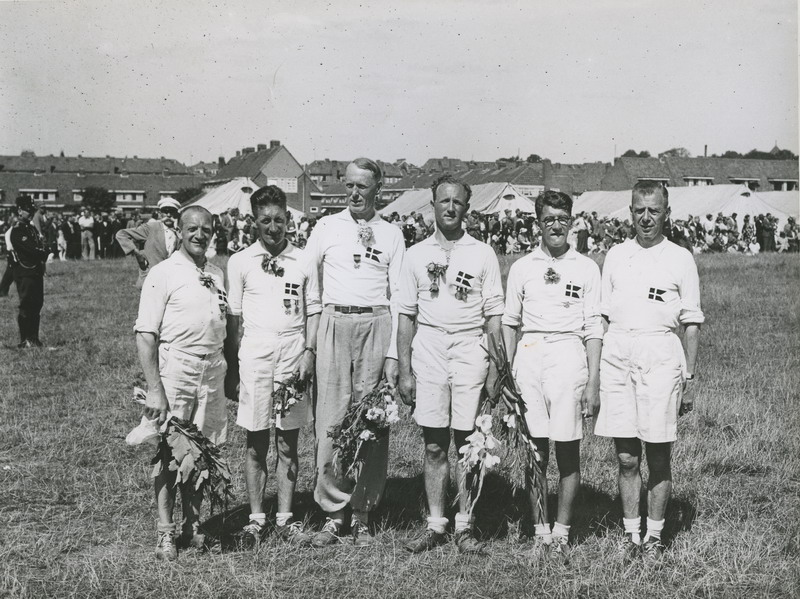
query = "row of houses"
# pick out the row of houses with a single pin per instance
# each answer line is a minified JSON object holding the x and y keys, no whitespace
{"x":59,"y":181}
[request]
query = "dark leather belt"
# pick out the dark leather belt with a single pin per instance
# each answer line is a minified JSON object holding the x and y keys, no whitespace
{"x":353,"y":309}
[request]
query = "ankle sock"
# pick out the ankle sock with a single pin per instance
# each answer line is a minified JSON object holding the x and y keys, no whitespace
{"x":259,"y":518}
{"x":561,"y":530}
{"x":542,"y":532}
{"x":463,"y":522}
{"x":437,"y":524}
{"x":633,"y":528}
{"x":283,"y":518}
{"x":654,"y":528}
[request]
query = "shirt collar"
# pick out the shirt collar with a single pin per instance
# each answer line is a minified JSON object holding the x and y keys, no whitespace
{"x":438,"y":239}
{"x":346,"y":216}
{"x":258,"y":249}
{"x":538,"y":254}
{"x":180,"y":256}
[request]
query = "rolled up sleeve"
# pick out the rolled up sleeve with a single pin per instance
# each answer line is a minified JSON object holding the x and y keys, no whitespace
{"x":152,"y":304}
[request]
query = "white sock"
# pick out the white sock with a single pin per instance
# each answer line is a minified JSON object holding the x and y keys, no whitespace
{"x":282,"y":518}
{"x":633,"y":528}
{"x":362,"y":517}
{"x":654,"y":528}
{"x":542,"y":531}
{"x":437,"y":524}
{"x":260,"y":518}
{"x":463,"y":522}
{"x":560,"y":530}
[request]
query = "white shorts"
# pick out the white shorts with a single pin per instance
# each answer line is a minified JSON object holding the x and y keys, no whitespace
{"x":551,"y":375}
{"x":451,"y":370}
{"x":195,"y":389}
{"x":263,"y":362}
{"x":641,"y":384}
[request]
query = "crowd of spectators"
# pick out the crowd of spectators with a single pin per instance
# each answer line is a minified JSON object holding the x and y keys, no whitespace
{"x":234,"y":231}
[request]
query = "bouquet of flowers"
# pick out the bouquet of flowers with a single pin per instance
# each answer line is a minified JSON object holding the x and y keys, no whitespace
{"x":477,"y":457}
{"x":270,"y":266}
{"x":287,"y":394}
{"x":551,"y":276}
{"x":366,"y":420}
{"x":436,"y":272}
{"x":365,"y":236}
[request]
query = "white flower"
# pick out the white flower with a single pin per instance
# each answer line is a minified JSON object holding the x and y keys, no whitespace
{"x":510,"y":420}
{"x":367,"y":435}
{"x":392,"y":413}
{"x":375,"y":414}
{"x":491,"y":442}
{"x":490,"y":461}
{"x":484,"y":423}
{"x":477,"y":439}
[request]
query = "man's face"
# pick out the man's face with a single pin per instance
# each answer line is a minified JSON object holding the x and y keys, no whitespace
{"x":271,"y":225}
{"x":555,"y":224}
{"x":362,"y":189}
{"x":649,"y":214}
{"x":24,"y":215}
{"x":196,"y":232}
{"x":168,"y":216}
{"x":450,"y":206}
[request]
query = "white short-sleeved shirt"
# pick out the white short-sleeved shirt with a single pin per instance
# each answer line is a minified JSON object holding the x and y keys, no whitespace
{"x":177,"y":308}
{"x":651,"y":289}
{"x":569,"y":305}
{"x":272,"y":304}
{"x":472,"y":271}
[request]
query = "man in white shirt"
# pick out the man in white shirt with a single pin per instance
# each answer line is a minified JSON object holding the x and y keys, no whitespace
{"x":180,"y":331}
{"x":360,"y":256}
{"x":86,"y":223}
{"x":451,"y":286}
{"x":553,"y":295}
{"x":271,"y":294}
{"x":650,"y":290}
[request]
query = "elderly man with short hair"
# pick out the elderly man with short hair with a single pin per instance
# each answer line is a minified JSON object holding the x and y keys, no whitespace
{"x":360,"y":256}
{"x":650,"y":291}
{"x":451,"y":289}
{"x":180,"y":331}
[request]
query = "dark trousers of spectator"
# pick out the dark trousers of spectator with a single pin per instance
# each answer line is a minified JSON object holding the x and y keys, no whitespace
{"x":8,"y":278}
{"x":30,"y":288}
{"x":583,"y":241}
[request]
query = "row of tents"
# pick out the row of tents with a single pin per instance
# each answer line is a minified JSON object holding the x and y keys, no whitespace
{"x":496,"y":198}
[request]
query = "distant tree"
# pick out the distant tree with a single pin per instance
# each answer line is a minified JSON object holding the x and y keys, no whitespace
{"x":533,"y":159}
{"x":98,"y":199}
{"x":731,"y":154}
{"x":678,"y":152}
{"x":635,"y":154}
{"x":509,"y":159}
{"x":759,"y":155}
{"x":187,"y":193}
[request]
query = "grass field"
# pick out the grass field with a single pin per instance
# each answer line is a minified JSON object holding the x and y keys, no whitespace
{"x":77,"y":515}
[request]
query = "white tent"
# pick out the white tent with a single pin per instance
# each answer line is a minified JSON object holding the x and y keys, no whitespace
{"x":487,"y":198}
{"x":233,"y":194}
{"x":782,"y":201}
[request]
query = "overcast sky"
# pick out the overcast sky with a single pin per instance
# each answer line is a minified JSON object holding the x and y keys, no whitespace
{"x":568,"y":80}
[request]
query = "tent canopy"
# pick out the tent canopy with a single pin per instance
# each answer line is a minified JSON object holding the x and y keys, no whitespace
{"x":233,"y":194}
{"x":487,"y":198}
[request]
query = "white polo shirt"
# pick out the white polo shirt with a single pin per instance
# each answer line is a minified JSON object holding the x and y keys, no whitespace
{"x":472,"y":272}
{"x":177,"y":308}
{"x":569,"y":305}
{"x":650,"y":289}
{"x":272,"y":304}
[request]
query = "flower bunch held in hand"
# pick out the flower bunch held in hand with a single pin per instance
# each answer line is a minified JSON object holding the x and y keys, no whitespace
{"x":286,"y":395}
{"x":366,"y":420}
{"x":478,"y":456}
{"x":436,"y":273}
{"x":365,"y":236}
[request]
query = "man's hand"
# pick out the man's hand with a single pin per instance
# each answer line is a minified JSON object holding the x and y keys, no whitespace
{"x":687,"y":398}
{"x":590,"y":400}
{"x":407,"y":385}
{"x":156,"y":405}
{"x":232,"y":384}
{"x":490,"y":387}
{"x":390,"y":372}
{"x":307,"y":365}
{"x":141,"y":259}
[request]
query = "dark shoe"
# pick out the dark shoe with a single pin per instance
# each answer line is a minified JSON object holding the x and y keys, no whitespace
{"x":25,"y":345}
{"x":361,"y":535}
{"x":191,"y":537}
{"x":165,"y":547}
{"x":629,"y":550}
{"x":36,"y":343}
{"x":251,"y":535}
{"x":294,"y":534}
{"x":467,"y":543}
{"x":652,"y":550}
{"x":329,"y":535}
{"x":427,"y":541}
{"x":560,"y":550}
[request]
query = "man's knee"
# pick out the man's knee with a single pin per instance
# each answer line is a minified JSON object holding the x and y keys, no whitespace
{"x":568,"y":457}
{"x":286,"y":444}
{"x":258,"y":444}
{"x":658,"y":458}
{"x":437,"y":443}
{"x":628,"y":464}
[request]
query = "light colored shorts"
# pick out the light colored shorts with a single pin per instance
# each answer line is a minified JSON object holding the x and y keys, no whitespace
{"x":263,"y":362}
{"x":451,"y":370}
{"x":195,"y":389}
{"x":641,"y":384}
{"x":551,"y":374}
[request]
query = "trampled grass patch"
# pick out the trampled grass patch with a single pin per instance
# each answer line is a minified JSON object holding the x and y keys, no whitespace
{"x":77,"y":515}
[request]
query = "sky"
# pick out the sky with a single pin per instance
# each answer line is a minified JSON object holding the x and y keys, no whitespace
{"x":568,"y":80}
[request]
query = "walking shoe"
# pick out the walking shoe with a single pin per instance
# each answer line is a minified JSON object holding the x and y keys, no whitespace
{"x":329,"y":535}
{"x":652,"y":550}
{"x":191,"y":537}
{"x":165,"y":548}
{"x":361,"y":534}
{"x":467,"y":543}
{"x":293,"y":533}
{"x":629,"y":550}
{"x":560,"y":550}
{"x":426,"y":541}
{"x":25,"y":344}
{"x":251,"y":535}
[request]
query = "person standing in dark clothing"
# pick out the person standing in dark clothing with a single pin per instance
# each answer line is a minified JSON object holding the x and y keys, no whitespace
{"x":30,"y":253}
{"x":72,"y":233}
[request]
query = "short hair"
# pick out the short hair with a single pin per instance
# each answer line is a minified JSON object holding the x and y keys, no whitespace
{"x":370,"y":165}
{"x":269,"y":195}
{"x":191,"y":210}
{"x":555,"y":199}
{"x":645,"y":189}
{"x":448,"y":179}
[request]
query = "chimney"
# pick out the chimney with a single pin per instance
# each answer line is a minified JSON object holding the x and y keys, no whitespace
{"x":262,"y":147}
{"x":238,"y":153}
{"x":705,"y":151}
{"x":248,"y":150}
{"x":221,"y":161}
{"x":274,"y":143}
